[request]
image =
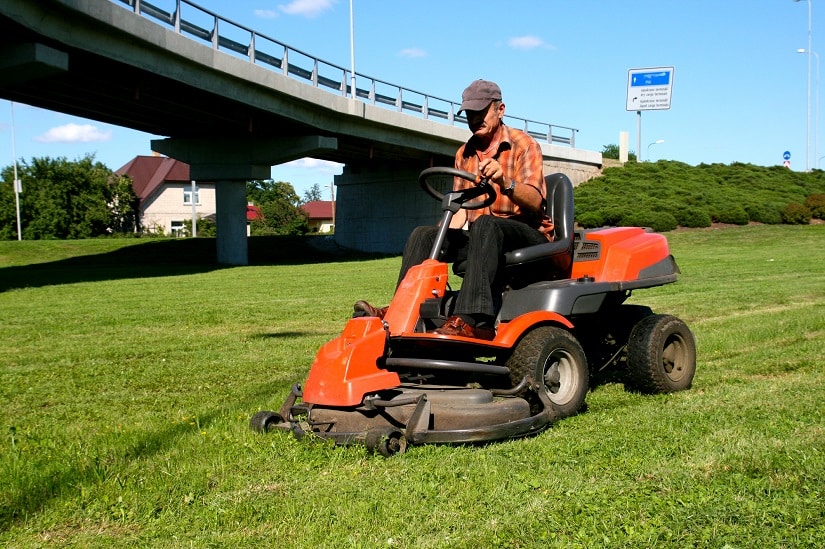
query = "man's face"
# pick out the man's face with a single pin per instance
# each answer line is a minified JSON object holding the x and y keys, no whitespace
{"x":484,"y":123}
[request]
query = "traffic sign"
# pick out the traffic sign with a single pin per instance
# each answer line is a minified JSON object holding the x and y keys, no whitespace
{"x":786,"y":155}
{"x":649,"y":89}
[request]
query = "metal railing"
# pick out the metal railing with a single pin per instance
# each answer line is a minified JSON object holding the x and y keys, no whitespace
{"x":189,"y":19}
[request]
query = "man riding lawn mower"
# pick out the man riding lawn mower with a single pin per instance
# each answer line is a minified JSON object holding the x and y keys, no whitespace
{"x":540,"y":308}
{"x":391,"y":381}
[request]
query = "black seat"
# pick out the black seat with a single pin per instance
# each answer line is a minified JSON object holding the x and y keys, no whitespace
{"x":553,"y":260}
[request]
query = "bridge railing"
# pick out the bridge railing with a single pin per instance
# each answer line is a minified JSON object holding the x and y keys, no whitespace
{"x":189,"y":19}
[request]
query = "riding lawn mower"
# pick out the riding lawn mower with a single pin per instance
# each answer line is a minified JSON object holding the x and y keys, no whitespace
{"x":388,"y":382}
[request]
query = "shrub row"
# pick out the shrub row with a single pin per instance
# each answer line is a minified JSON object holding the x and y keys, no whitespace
{"x":668,"y":194}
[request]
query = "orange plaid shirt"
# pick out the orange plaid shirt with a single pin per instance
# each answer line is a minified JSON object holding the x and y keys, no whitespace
{"x":521,"y":159}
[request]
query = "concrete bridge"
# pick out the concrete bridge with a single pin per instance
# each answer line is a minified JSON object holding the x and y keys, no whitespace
{"x":233,"y":103}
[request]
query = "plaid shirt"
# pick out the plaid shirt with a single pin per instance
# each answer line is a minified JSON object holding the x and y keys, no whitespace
{"x":521,"y":159}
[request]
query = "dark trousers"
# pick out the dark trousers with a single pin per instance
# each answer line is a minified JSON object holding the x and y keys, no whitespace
{"x":481,"y":250}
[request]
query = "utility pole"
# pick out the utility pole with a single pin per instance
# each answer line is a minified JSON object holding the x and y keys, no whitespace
{"x":18,"y":187}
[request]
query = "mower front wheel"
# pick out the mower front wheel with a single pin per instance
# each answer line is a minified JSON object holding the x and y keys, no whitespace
{"x":264,"y":421}
{"x":661,"y":355}
{"x":556,"y":361}
{"x":386,"y":442}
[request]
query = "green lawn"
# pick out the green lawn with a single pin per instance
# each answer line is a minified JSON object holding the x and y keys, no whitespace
{"x":130,"y":370}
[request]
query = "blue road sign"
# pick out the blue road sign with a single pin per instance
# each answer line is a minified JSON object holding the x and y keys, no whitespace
{"x":660,"y":78}
{"x":786,"y":155}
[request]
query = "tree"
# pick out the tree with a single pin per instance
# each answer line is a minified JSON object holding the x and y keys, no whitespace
{"x":313,"y":194}
{"x":612,"y":151}
{"x":280,"y":208}
{"x":63,"y":199}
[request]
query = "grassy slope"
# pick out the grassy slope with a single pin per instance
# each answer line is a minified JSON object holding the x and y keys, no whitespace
{"x":128,"y":385}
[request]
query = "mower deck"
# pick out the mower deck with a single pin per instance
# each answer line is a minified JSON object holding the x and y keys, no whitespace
{"x":429,"y":414}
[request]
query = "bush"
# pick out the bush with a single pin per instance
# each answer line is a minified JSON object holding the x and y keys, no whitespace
{"x":796,"y":214}
{"x":693,"y":217}
{"x":658,"y":221}
{"x":733,"y":214}
{"x":764,"y":213}
{"x":590,"y":220}
{"x":614,"y":215}
{"x":816,"y":203}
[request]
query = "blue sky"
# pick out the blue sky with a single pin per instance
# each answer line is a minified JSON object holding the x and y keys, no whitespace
{"x":739,"y":87}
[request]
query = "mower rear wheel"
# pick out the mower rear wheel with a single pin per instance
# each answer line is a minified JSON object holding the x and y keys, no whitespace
{"x":386,"y":442}
{"x":264,"y":421}
{"x":661,"y":355}
{"x":557,"y":363}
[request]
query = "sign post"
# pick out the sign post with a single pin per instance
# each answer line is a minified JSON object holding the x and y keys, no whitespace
{"x":648,"y":90}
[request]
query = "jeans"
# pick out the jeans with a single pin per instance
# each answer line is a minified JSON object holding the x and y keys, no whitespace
{"x":481,"y":250}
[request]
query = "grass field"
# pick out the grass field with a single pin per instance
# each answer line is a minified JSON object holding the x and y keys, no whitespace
{"x":130,"y":370}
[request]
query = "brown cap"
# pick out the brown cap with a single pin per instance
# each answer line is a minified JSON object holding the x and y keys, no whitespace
{"x":478,"y":95}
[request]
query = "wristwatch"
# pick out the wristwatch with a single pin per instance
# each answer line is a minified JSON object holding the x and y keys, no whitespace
{"x":508,"y":190}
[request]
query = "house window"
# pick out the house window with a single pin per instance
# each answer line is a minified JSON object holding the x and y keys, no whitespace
{"x":187,"y":195}
{"x":178,"y":228}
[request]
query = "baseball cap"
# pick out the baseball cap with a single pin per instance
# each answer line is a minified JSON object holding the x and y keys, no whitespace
{"x":478,"y":95}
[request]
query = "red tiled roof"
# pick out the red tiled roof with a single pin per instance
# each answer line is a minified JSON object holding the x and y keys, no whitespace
{"x":253,"y":212}
{"x":319,"y":209}
{"x":150,"y":172}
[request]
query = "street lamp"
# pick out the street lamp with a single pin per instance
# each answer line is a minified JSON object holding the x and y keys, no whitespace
{"x":18,"y":188}
{"x":657,"y":142}
{"x":816,"y":113}
{"x":808,"y":130}
{"x":352,"y":52}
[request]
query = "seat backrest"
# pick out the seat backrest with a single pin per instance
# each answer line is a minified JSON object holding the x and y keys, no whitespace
{"x":560,"y":204}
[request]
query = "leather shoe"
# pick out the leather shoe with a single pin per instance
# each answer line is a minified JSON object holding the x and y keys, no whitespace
{"x":362,"y":308}
{"x":455,"y":326}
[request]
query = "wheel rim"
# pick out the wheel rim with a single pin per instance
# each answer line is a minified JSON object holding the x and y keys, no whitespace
{"x":675,"y":357}
{"x":559,"y":376}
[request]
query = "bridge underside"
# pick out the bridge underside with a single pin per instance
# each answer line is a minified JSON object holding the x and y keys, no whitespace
{"x":229,"y":119}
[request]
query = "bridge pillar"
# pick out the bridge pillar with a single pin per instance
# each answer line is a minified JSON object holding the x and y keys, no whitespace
{"x":231,"y":244}
{"x":379,"y":204}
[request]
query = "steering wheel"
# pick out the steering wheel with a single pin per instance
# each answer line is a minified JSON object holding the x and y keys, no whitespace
{"x":463,"y":198}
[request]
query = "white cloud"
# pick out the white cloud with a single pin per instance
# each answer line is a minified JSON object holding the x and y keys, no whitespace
{"x":74,"y":133}
{"x":307,"y":8}
{"x":412,"y":52}
{"x":527,"y":43}
{"x":266,"y":14}
{"x":315,"y":164}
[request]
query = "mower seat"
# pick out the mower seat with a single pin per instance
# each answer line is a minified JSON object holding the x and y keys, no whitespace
{"x":553,"y":260}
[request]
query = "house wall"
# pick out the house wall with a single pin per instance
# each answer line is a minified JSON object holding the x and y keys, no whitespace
{"x":320,"y":225}
{"x":166,"y":206}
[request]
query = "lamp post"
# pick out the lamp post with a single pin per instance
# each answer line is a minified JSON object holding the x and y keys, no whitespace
{"x":808,"y":127}
{"x":18,"y":188}
{"x":657,"y":142}
{"x":352,"y":51}
{"x":816,"y":110}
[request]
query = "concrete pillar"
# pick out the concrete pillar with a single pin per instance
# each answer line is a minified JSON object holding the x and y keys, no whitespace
{"x":379,"y":204}
{"x":230,"y":206}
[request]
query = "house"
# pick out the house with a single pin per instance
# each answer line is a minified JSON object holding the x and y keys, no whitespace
{"x":166,"y":196}
{"x":321,"y":215}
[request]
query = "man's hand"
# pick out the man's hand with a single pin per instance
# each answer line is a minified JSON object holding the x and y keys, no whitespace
{"x":492,"y":170}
